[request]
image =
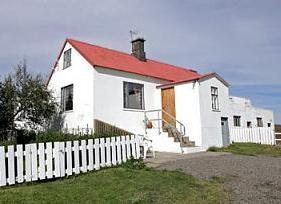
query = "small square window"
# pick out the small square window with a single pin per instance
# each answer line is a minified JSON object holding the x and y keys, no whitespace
{"x":249,"y":124}
{"x":67,"y":58}
{"x":268,"y":124}
{"x":133,"y":95}
{"x":67,"y":98}
{"x":215,"y":98}
{"x":237,"y":121}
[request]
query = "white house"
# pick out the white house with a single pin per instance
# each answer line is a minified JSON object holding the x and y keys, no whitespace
{"x":188,"y":111}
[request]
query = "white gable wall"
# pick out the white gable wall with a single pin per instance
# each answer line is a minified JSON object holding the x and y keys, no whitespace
{"x":188,"y":110}
{"x":81,"y":75}
{"x":108,"y":97}
{"x":211,"y":120}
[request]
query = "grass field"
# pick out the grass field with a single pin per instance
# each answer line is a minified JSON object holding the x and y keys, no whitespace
{"x":250,"y":149}
{"x":118,"y":185}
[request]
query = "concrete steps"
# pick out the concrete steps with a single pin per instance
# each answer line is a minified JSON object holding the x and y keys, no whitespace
{"x":166,"y":143}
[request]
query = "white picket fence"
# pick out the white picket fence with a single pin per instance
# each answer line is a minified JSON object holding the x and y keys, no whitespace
{"x":41,"y":161}
{"x":260,"y":135}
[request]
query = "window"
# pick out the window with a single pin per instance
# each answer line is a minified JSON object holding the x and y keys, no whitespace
{"x":268,"y":124}
{"x":259,"y":122}
{"x":133,"y":95}
{"x":215,"y":98}
{"x":249,"y":124}
{"x":67,"y":58}
{"x":67,"y":98}
{"x":237,"y":121}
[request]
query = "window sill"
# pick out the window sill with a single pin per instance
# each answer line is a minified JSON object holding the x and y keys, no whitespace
{"x":216,"y":110}
{"x":70,"y":111}
{"x":133,"y":110}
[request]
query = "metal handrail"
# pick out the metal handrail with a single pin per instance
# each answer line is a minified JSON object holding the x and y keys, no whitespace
{"x":182,"y":126}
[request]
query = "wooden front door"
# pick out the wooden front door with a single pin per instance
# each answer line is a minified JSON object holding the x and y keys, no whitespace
{"x":168,"y":105}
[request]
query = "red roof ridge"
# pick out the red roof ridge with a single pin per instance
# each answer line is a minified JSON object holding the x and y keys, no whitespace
{"x":125,"y":53}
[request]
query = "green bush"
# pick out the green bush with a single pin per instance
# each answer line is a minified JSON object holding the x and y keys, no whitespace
{"x":134,"y":164}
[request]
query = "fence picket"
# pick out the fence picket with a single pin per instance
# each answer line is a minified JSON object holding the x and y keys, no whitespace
{"x":133,"y":146}
{"x":137,"y":139}
{"x":108,"y":151}
{"x":118,"y":148}
{"x":97,"y":154}
{"x":62,"y":158}
{"x":113,"y":151}
{"x":49,"y":161}
{"x":69,"y":158}
{"x":84,"y":156}
{"x":41,"y":152}
{"x":76,"y":157}
{"x":34,"y":165}
{"x":20,"y":177}
{"x":57,"y":159}
{"x":3,"y":178}
{"x":90,"y":154}
{"x":128,"y":147}
{"x":123,"y":147}
{"x":27,"y":162}
{"x":11,"y":165}
{"x":102,"y":152}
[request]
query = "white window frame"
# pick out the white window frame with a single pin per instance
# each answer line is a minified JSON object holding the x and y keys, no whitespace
{"x":67,"y":58}
{"x":126,"y":87}
{"x":215,"y":98}
{"x":66,"y":92}
{"x":237,"y":121}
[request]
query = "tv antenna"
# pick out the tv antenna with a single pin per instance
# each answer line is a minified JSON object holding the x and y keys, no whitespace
{"x":133,"y":34}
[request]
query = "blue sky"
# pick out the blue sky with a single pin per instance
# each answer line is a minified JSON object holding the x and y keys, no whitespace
{"x":238,"y":39}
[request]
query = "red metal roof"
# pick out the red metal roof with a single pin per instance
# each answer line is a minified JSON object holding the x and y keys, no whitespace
{"x":112,"y":59}
{"x":108,"y":58}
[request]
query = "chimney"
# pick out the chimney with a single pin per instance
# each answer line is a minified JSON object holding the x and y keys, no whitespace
{"x":138,"y":49}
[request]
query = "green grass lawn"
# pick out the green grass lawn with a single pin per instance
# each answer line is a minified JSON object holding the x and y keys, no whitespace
{"x":118,"y":185}
{"x":250,"y":149}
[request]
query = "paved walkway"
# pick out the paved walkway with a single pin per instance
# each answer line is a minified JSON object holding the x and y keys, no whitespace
{"x":251,"y":179}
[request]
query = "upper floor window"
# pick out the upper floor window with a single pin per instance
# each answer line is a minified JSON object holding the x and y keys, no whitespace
{"x":67,"y":58}
{"x":268,"y":124}
{"x":133,"y":95}
{"x":259,"y":122}
{"x":215,"y":98}
{"x":237,"y":121}
{"x":67,"y":98}
{"x":249,"y":124}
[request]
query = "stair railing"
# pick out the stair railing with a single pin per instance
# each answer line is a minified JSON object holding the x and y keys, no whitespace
{"x":180,"y":127}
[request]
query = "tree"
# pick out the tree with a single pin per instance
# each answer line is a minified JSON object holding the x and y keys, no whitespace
{"x":25,"y":99}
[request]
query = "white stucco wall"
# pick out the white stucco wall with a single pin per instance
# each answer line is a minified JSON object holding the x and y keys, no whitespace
{"x":211,"y":120}
{"x":81,"y":75}
{"x":243,"y":107}
{"x":188,"y":110}
{"x":108,"y":95}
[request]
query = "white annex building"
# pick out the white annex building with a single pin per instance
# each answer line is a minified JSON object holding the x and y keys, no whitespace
{"x":178,"y":108}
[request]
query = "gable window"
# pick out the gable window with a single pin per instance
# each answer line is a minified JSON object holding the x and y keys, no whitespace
{"x":259,"y":122}
{"x":215,"y":98}
{"x":67,"y":98}
{"x":67,"y":58}
{"x":237,"y":121}
{"x":133,"y":95}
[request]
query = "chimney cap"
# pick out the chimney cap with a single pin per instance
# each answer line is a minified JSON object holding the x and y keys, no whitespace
{"x":138,"y":39}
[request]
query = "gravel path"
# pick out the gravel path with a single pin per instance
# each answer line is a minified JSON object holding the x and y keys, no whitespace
{"x":250,"y":179}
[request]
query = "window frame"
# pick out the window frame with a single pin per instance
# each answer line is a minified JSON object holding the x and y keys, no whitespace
{"x":215,"y":98}
{"x":237,"y":123}
{"x":125,"y":96}
{"x":259,"y":122}
{"x":64,"y":101}
{"x":66,"y":57}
